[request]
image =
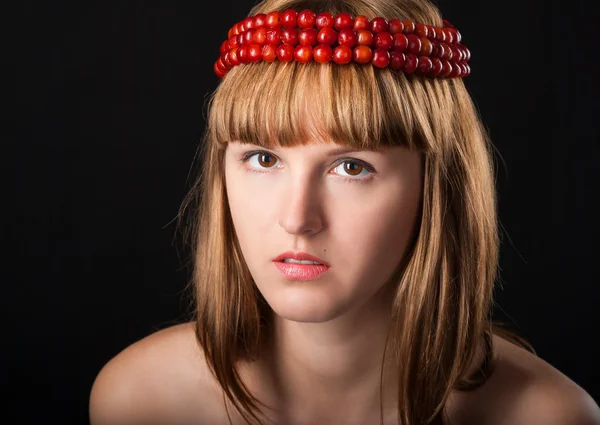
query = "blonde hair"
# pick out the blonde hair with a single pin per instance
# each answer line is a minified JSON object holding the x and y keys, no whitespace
{"x":444,"y":290}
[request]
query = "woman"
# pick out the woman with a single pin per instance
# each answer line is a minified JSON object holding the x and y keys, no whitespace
{"x":345,"y":245}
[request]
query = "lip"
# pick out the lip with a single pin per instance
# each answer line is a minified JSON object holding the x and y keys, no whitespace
{"x":299,"y":256}
{"x":293,"y":271}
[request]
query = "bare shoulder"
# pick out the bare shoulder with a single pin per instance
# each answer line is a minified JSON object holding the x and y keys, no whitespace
{"x":160,"y":379}
{"x":525,"y":389}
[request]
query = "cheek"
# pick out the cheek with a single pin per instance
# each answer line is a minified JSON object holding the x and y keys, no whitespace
{"x":374,"y":237}
{"x":251,"y":210}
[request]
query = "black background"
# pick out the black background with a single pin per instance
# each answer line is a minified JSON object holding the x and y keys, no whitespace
{"x":106,"y":111}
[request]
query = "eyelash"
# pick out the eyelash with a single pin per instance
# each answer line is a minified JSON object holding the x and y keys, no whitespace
{"x":246,"y":157}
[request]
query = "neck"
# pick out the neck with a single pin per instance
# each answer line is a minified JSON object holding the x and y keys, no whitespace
{"x":335,"y":367}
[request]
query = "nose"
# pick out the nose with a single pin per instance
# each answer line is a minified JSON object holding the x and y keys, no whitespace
{"x":301,"y":210}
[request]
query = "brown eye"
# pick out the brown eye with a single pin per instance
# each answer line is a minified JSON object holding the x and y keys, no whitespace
{"x":266,"y":160}
{"x":353,"y":168}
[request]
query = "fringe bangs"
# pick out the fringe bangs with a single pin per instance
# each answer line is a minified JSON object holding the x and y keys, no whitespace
{"x":290,"y":104}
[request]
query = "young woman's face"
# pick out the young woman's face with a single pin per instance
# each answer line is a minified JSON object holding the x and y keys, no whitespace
{"x":355,"y":211}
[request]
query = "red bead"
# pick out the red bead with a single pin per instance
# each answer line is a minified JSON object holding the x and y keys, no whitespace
{"x":410,"y":63}
{"x":306,"y":19}
{"x":424,"y":65}
{"x":269,"y":52}
{"x":289,"y":36}
{"x":322,"y":53}
{"x":455,"y":70}
{"x":347,"y":37}
{"x":248,"y":36}
{"x":362,"y":54}
{"x":237,"y":28}
{"x":365,"y":37}
{"x":457,"y":54}
{"x":467,"y":53}
{"x":273,"y":36}
{"x":343,"y":21}
{"x":458,"y":36}
{"x":285,"y":52}
{"x":233,"y":56}
{"x":426,"y":47}
{"x":324,"y":20}
{"x":384,"y":40}
{"x":400,"y":42}
{"x":303,"y":54}
{"x":260,"y":20}
{"x":454,"y":35}
{"x":436,"y":67}
{"x":342,"y":55}
{"x":243,"y":54}
{"x":381,"y":58}
{"x":327,"y":36}
{"x":240,"y":38}
{"x":414,"y":44}
{"x":449,"y":35}
{"x":288,"y":18}
{"x":421,"y":30}
{"x":260,"y":36}
{"x":308,"y":37}
{"x":379,"y":25}
{"x":254,"y":52}
{"x":445,"y":52}
{"x":409,"y":26}
{"x":397,"y":59}
{"x":430,"y":31}
{"x":249,"y":23}
{"x":218,"y":71}
{"x":439,"y":34}
{"x":446,"y":68}
{"x":221,"y":65}
{"x":396,"y":26}
{"x":445,"y":36}
{"x":272,"y":20}
{"x":361,"y":22}
{"x":468,"y":70}
{"x":226,"y":61}
{"x":225,"y":46}
{"x":435,"y":48}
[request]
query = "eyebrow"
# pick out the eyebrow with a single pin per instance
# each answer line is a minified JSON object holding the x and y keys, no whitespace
{"x":342,"y":151}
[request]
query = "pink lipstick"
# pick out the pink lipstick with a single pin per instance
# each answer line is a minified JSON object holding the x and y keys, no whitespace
{"x":297,"y":271}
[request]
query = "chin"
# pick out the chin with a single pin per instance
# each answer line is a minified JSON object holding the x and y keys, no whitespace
{"x":306,"y":307}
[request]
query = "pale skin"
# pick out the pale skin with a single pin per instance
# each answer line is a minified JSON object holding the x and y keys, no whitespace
{"x":323,"y":365}
{"x":330,"y":332}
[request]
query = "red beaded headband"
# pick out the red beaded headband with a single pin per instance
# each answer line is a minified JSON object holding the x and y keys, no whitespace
{"x":305,"y":36}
